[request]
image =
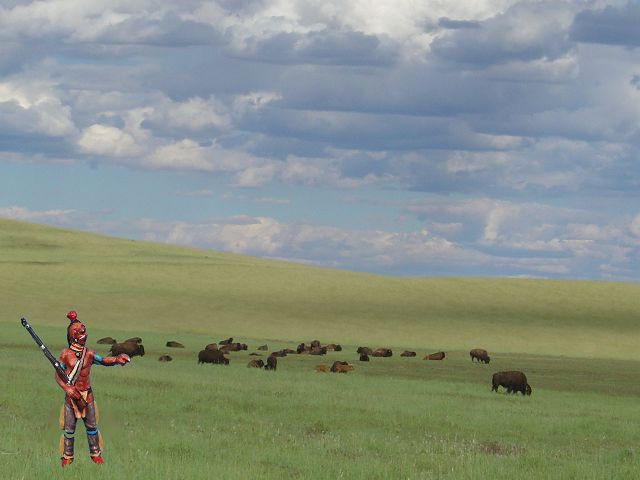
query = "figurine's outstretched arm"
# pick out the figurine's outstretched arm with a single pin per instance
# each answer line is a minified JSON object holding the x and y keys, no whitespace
{"x":121,"y":359}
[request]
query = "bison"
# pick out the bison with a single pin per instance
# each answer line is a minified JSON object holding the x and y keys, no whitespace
{"x":212,"y":356}
{"x":107,"y":341}
{"x":255,"y":363}
{"x":263,"y":347}
{"x":226,"y":342}
{"x":318,"y":351}
{"x":130,"y":348}
{"x":480,"y":355}
{"x":165,"y":358}
{"x":172,"y":344}
{"x":435,"y":356}
{"x":341,"y":367}
{"x":279,"y":353}
{"x":407,"y":353}
{"x":302,"y":348}
{"x":364,"y":357}
{"x":365,"y":350}
{"x":315,"y":343}
{"x":234,"y":347}
{"x":133,"y":340}
{"x":333,"y":347}
{"x":382,"y":352}
{"x":211,"y":346}
{"x":513,"y":381}
{"x":272,"y":363}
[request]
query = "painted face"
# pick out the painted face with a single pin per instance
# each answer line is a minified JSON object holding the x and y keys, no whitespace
{"x":78,"y":333}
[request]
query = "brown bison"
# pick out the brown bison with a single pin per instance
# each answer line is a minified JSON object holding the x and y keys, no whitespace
{"x":315,"y":343}
{"x":513,"y":381}
{"x":130,"y":348}
{"x":234,"y":347}
{"x":302,"y":348}
{"x":480,"y":355}
{"x":255,"y":363}
{"x":263,"y":347}
{"x":279,"y":353}
{"x":365,"y":350}
{"x":364,"y":357}
{"x":211,"y":346}
{"x":341,"y":367}
{"x":318,"y":351}
{"x":321,"y":367}
{"x":212,"y":356}
{"x":165,"y":358}
{"x":226,"y":342}
{"x":382,"y":352}
{"x":435,"y":356}
{"x":407,"y":353}
{"x":172,"y":344}
{"x":272,"y":363}
{"x":133,"y":340}
{"x":107,"y":341}
{"x":333,"y":347}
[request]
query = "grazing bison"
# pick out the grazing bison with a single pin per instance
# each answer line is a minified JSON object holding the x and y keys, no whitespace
{"x":315,"y":343}
{"x":513,"y":381}
{"x":407,"y":353}
{"x":211,"y":346}
{"x":365,"y":350}
{"x":272,"y":363}
{"x":341,"y":367}
{"x":382,"y":352}
{"x":255,"y":363}
{"x":321,"y":367}
{"x":226,"y":342}
{"x":130,"y":348}
{"x":165,"y":358}
{"x":173,"y":344}
{"x":364,"y":357}
{"x":133,"y":340}
{"x":480,"y":355}
{"x":435,"y":356}
{"x":107,"y":341}
{"x":263,"y":347}
{"x":212,"y":356}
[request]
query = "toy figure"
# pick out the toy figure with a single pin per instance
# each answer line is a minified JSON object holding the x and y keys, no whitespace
{"x":79,"y":403}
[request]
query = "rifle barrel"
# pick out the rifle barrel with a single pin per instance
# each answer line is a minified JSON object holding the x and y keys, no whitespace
{"x":53,"y":360}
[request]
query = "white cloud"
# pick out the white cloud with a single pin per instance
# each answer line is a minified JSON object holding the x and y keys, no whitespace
{"x":108,"y":141}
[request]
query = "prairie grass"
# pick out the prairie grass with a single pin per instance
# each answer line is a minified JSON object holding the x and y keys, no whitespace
{"x":402,"y":418}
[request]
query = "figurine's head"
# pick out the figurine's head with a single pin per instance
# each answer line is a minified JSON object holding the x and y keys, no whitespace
{"x":76,"y":331}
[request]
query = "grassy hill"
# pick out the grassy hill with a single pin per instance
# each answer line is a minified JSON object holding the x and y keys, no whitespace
{"x":132,"y":286}
{"x":389,"y":418}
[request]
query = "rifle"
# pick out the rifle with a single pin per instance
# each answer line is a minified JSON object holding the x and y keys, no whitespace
{"x":56,"y":364}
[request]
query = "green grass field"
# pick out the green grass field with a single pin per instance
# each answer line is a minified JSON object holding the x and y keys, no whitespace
{"x":399,"y":418}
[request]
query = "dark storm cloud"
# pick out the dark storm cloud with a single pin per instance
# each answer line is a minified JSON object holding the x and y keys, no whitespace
{"x":610,"y":26}
{"x":525,"y":32}
{"x":327,"y":47}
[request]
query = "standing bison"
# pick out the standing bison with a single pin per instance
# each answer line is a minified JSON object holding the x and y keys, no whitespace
{"x":513,"y":381}
{"x":212,"y":356}
{"x":480,"y":355}
{"x":272,"y":363}
{"x":130,"y":348}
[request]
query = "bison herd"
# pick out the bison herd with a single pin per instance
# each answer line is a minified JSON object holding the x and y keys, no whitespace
{"x":218,"y":354}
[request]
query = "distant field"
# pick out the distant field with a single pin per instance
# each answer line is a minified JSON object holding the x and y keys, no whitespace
{"x":395,"y":418}
{"x":132,"y":285}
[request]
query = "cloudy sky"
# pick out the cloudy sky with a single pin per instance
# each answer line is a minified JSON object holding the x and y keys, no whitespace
{"x":442,"y":137}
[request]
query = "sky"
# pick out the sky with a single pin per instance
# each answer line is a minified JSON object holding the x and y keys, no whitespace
{"x":432,"y":138}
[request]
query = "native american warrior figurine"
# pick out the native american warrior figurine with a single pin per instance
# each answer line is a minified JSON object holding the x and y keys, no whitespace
{"x":77,"y":361}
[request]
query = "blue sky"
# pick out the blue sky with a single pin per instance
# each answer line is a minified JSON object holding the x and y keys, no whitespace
{"x":495,"y":138}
